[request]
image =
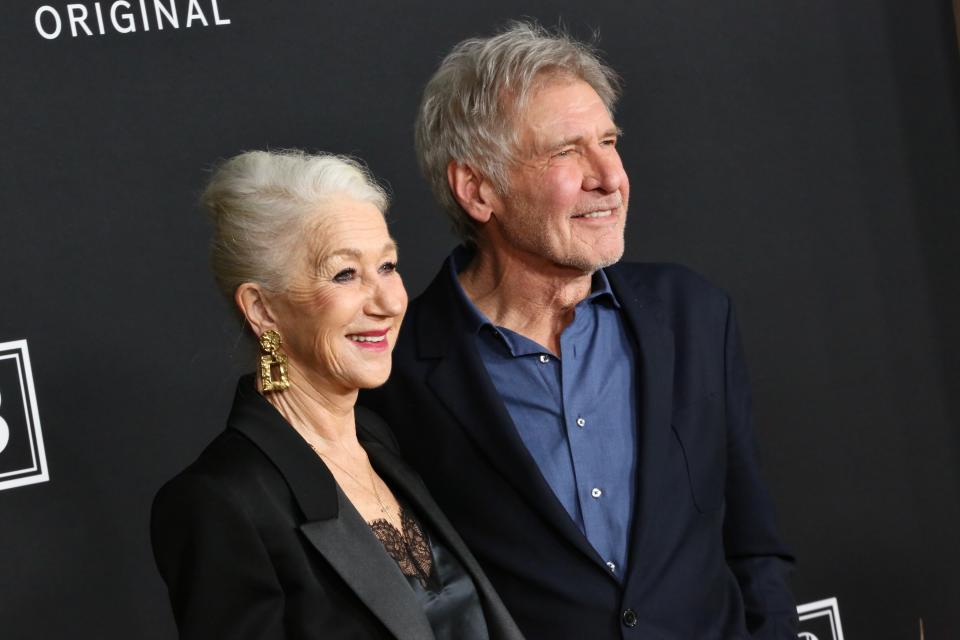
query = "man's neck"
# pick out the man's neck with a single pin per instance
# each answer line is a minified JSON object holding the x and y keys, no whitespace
{"x":525,"y":293}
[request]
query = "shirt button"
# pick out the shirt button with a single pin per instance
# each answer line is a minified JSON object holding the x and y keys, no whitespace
{"x":544,"y":358}
{"x":612,"y":565}
{"x":629,"y":618}
{"x":581,"y":422}
{"x":596,"y":493}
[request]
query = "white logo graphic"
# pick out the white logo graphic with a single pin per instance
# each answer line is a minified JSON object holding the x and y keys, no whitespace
{"x":4,"y":430}
{"x":23,"y":460}
{"x":123,"y":17}
{"x":823,"y":615}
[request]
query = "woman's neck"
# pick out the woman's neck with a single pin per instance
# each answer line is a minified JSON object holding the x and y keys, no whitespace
{"x":323,"y":417}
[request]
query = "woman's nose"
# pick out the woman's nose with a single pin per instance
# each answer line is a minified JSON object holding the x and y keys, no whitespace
{"x":388,"y":297}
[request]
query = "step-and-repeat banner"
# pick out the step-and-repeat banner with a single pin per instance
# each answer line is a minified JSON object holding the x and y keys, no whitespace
{"x":802,"y":154}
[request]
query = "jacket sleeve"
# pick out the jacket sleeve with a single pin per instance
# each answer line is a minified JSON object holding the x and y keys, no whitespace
{"x":754,"y":550}
{"x":220,"y":578}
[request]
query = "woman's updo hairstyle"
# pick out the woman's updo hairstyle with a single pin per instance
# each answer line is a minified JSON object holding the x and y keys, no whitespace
{"x":260,"y":202}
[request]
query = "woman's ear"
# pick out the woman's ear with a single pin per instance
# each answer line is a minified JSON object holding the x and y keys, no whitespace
{"x":255,"y":307}
{"x":472,"y":191}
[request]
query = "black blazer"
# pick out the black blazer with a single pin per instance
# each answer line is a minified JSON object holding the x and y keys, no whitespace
{"x":255,"y":540}
{"x":705,"y":560}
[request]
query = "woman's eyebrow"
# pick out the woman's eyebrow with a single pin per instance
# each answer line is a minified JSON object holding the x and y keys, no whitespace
{"x":356,"y":254}
{"x":339,"y":253}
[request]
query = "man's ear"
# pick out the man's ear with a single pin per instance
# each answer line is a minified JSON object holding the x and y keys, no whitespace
{"x":472,"y":191}
{"x":255,"y":307}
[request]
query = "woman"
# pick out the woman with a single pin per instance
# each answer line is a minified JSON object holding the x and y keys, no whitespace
{"x":300,"y":520}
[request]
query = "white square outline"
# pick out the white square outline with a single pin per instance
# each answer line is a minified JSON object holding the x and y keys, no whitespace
{"x":827,"y":607}
{"x":26,"y":415}
{"x":34,"y":433}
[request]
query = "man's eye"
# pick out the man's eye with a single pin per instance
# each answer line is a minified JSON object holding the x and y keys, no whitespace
{"x":388,"y":267}
{"x":611,"y":142}
{"x":563,"y":153}
{"x":345,"y":276}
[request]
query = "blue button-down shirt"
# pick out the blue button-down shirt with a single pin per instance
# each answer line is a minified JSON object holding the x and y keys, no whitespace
{"x":576,"y":414}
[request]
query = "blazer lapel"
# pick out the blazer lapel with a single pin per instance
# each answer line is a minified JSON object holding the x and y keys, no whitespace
{"x":461,"y":382}
{"x":655,"y":358}
{"x":404,"y":481}
{"x":333,"y":526}
{"x":357,"y":555}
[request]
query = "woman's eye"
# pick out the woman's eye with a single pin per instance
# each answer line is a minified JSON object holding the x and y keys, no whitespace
{"x":345,"y":276}
{"x":388,"y":267}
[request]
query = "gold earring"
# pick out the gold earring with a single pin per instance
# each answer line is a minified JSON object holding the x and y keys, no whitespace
{"x":272,"y":357}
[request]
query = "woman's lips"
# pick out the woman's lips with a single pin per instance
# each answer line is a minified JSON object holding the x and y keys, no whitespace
{"x":370,"y":340}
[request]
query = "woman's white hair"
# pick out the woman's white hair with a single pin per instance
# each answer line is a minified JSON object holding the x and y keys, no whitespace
{"x":469,"y":107}
{"x":261,"y":202}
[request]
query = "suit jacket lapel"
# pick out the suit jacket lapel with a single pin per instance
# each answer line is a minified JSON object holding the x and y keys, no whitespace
{"x":460,"y":381}
{"x":332,"y":525}
{"x":655,"y":357}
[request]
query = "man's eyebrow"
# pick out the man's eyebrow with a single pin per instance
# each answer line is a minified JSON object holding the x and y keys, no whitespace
{"x":574,"y":140}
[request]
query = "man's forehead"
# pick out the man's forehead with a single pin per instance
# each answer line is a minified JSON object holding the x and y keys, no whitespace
{"x":556,"y":124}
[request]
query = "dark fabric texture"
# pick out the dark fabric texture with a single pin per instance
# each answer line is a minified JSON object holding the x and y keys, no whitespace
{"x":449,"y":600}
{"x":706,"y":561}
{"x":255,"y":540}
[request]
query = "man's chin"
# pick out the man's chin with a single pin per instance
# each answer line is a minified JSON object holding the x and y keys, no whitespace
{"x":592,"y":263}
{"x":609,"y":262}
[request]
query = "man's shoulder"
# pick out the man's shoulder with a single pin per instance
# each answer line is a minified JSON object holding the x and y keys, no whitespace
{"x":658,"y":276}
{"x":372,"y":428}
{"x":678,"y":290}
{"x":673,"y":285}
{"x":438,"y":291}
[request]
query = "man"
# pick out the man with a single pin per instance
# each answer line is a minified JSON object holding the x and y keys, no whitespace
{"x":585,"y":424}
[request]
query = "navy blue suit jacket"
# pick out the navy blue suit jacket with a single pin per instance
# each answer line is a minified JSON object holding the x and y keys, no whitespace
{"x":705,"y":559}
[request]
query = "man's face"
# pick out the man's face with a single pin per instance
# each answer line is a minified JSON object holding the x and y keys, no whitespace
{"x":566,"y":202}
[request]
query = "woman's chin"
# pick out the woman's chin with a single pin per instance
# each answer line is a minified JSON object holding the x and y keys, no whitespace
{"x":373,"y":379}
{"x":373,"y":384}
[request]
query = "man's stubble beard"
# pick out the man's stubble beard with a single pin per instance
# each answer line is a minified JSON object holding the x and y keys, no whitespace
{"x":527,"y":238}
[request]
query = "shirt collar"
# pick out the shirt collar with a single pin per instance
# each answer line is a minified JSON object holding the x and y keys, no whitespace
{"x":600,"y":291}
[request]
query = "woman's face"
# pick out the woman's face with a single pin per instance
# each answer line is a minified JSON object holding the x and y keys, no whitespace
{"x":340,"y":315}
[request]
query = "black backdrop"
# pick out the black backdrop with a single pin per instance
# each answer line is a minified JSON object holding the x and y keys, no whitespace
{"x":805,"y":154}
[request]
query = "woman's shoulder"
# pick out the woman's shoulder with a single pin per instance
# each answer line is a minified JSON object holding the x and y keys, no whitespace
{"x":229,"y":470}
{"x":229,"y":455}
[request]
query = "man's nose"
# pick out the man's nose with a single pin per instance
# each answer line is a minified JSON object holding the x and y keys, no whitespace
{"x":605,"y":172}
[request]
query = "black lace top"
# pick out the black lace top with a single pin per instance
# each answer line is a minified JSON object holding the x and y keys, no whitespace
{"x":443,"y":588}
{"x":409,"y":548}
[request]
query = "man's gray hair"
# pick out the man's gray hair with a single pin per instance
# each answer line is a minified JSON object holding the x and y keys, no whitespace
{"x":261,"y":203}
{"x":469,"y":108}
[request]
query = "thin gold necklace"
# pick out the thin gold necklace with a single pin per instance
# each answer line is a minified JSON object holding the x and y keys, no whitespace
{"x":373,"y":482}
